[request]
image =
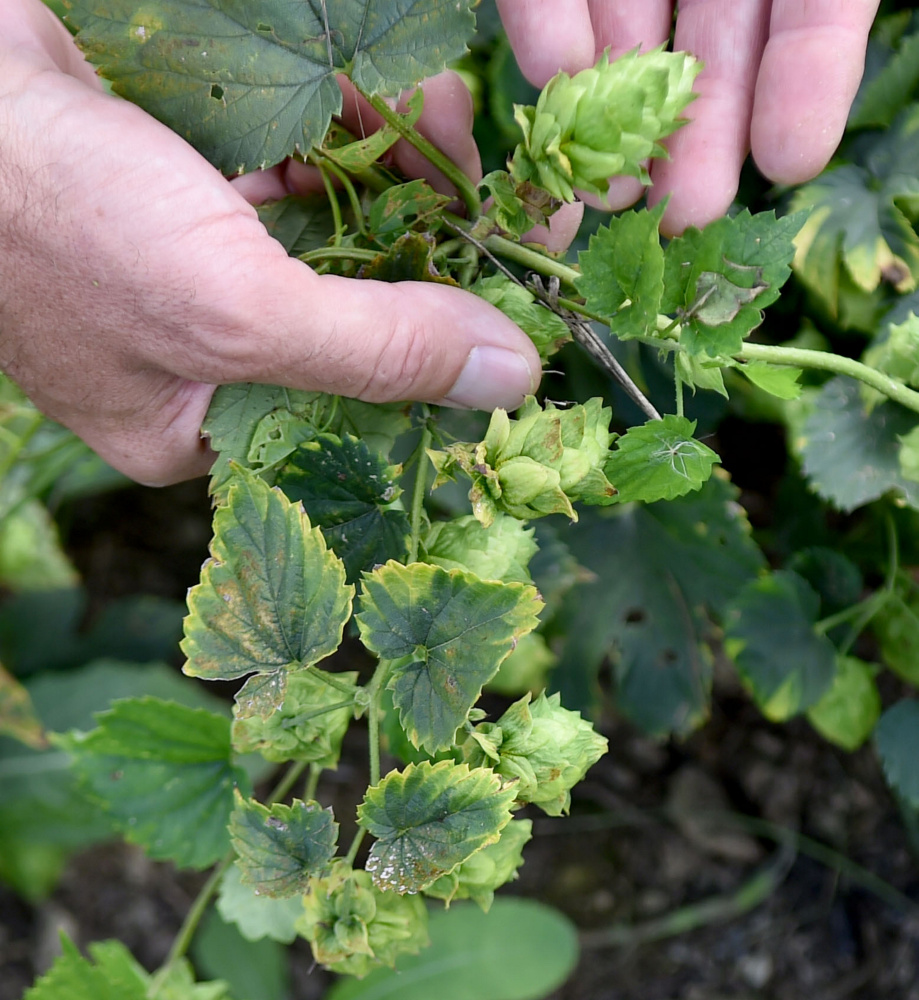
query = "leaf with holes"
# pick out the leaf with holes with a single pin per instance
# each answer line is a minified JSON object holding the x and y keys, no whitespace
{"x":450,"y":631}
{"x":248,"y":85}
{"x":770,"y":636}
{"x":430,"y":818}
{"x":281,"y":848}
{"x":658,"y":576}
{"x":659,"y":460}
{"x":271,"y":599}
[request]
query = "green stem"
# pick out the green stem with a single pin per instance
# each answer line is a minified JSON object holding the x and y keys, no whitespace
{"x":802,"y":358}
{"x":312,"y":783}
{"x":421,"y":482}
{"x":339,"y":685}
{"x":678,"y":382}
{"x":465,"y":187}
{"x":332,"y":197}
{"x":338,"y":253}
{"x":183,"y":939}
{"x":315,"y":713}
{"x":350,"y":191}
{"x":532,"y":259}
{"x":287,"y":782}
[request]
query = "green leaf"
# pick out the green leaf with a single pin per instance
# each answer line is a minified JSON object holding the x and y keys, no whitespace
{"x":897,"y":737}
{"x":622,"y":272}
{"x":300,"y":223}
{"x":248,"y":86}
{"x":909,"y":455}
{"x":253,"y":970}
{"x":271,"y":599}
{"x":31,"y":556}
{"x":546,"y":329}
{"x":360,"y":154}
{"x":659,"y":460}
{"x":348,"y":491}
{"x":847,"y":713}
{"x":451,"y":629}
{"x":896,"y":626}
{"x":177,"y":982}
{"x":658,"y":573}
{"x":281,"y":848}
{"x":162,"y":772}
{"x":777,"y":380}
{"x":401,"y":208}
{"x":770,"y":635}
{"x":17,"y":715}
{"x":499,"y":552}
{"x":519,"y":950}
{"x":897,"y":354}
{"x":850,"y":456}
{"x":880,"y":100}
{"x":257,"y":917}
{"x":110,"y":974}
{"x":430,"y":818}
{"x":718,"y":280}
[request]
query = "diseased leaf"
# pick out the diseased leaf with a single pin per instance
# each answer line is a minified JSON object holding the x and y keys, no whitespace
{"x":17,"y":715}
{"x":847,"y":713}
{"x":271,"y":599}
{"x":659,"y":572}
{"x":163,"y":774}
{"x":281,"y":848}
{"x":401,"y":208}
{"x":409,"y":258}
{"x":770,"y":636}
{"x":851,"y":456}
{"x":622,"y":272}
{"x":349,"y":492}
{"x":450,"y":631}
{"x":718,"y":280}
{"x":860,"y":231}
{"x":430,"y":818}
{"x":249,"y":85}
{"x":897,"y":737}
{"x":257,"y":917}
{"x":659,"y":460}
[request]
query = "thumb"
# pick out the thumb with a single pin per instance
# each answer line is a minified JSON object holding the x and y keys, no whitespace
{"x":376,"y":341}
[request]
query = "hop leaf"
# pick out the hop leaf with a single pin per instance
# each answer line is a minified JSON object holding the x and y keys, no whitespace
{"x":303,"y":728}
{"x":547,"y":748}
{"x":536,"y":464}
{"x":603,"y":122}
{"x":500,"y":552}
{"x":487,"y":870}
{"x":354,"y":927}
{"x":546,"y":329}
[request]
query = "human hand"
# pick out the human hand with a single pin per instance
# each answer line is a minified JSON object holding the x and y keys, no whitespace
{"x":134,"y":278}
{"x":779,"y":79}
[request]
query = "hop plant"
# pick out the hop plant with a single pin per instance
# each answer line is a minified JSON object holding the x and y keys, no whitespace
{"x":306,"y":727}
{"x":603,"y":122}
{"x":536,"y":464}
{"x":547,"y":748}
{"x":353,"y":927}
{"x":487,"y":870}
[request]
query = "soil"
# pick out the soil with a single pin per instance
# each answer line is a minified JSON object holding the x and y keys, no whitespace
{"x":786,"y":863}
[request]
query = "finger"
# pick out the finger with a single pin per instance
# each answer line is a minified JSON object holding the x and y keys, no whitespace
{"x":706,"y":156}
{"x":562,"y":228}
{"x":547,"y":36}
{"x":623,"y":26}
{"x":811,"y":69}
{"x":33,"y":28}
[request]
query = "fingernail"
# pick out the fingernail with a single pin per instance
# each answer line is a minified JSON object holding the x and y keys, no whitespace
{"x":493,"y":376}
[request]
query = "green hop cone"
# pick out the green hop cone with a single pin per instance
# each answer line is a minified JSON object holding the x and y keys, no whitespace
{"x":603,"y":122}
{"x":536,"y":464}
{"x":547,"y":748}
{"x":353,"y":927}
{"x":303,"y":728}
{"x":487,"y":870}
